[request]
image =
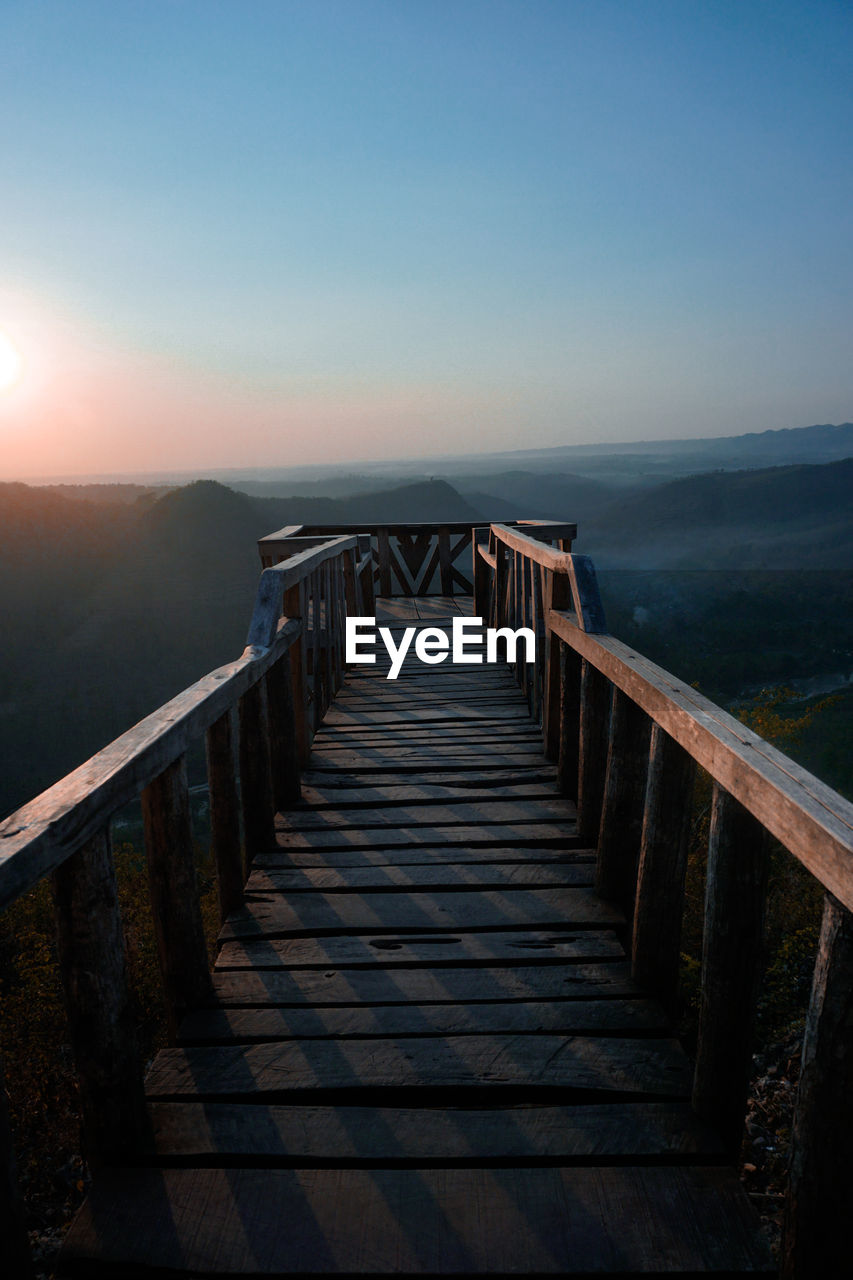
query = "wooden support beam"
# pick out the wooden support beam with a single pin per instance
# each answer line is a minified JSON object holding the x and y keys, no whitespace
{"x":556,"y":595}
{"x":482,"y":574}
{"x":735,"y":893}
{"x":13,"y":1223}
{"x":284,"y":745}
{"x":256,"y":788}
{"x":91,"y":954}
{"x":819,"y":1207}
{"x":623,"y":803}
{"x":383,"y":552}
{"x":444,"y":562}
{"x":294,"y":607}
{"x":663,"y":864}
{"x":174,"y":892}
{"x":225,"y":838}
{"x":570,"y":712}
{"x":592,"y":764}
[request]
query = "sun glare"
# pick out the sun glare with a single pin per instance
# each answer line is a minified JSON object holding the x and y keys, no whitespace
{"x":11,"y":363}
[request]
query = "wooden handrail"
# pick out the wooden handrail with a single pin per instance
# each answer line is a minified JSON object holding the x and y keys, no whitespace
{"x":814,"y":822}
{"x":628,"y":737}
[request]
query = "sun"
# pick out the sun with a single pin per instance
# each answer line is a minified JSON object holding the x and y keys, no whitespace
{"x":11,"y":363}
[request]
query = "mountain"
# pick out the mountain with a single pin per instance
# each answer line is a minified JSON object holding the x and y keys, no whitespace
{"x":778,"y":517}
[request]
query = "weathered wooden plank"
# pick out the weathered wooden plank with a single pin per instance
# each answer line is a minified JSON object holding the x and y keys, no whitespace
{"x":452,"y":813}
{"x":372,"y":764}
{"x":571,"y":1017}
{"x":331,"y":781}
{"x":820,"y":1200}
{"x":378,"y":795}
{"x":391,"y":951}
{"x":613,"y":1132}
{"x":452,"y":1221}
{"x":510,"y":835}
{"x":278,"y":915}
{"x":650,"y":1067}
{"x":732,"y":945}
{"x":523,"y":981}
{"x":341,"y":719}
{"x":101,"y":1019}
{"x":472,"y":877}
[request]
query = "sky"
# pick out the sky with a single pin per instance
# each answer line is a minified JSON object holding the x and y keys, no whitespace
{"x":278,"y":232}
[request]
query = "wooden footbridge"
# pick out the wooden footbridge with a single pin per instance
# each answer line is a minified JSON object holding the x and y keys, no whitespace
{"x":437,"y":1035}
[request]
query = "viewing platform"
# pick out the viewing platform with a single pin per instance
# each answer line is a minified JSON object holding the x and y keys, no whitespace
{"x":437,"y":1038}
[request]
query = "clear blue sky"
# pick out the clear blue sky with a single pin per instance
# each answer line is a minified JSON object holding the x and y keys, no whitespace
{"x":278,"y":232}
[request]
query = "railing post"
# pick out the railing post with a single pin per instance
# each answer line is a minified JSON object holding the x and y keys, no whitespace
{"x":294,"y":607}
{"x":287,"y":787}
{"x":256,"y":788}
{"x":481,"y":574}
{"x":570,"y":713}
{"x":225,"y":815}
{"x":556,"y":595}
{"x":13,"y":1222}
{"x":90,"y":950}
{"x":174,"y":892}
{"x":444,"y":562}
{"x":383,"y":552}
{"x":368,"y":587}
{"x":592,"y":765}
{"x":501,"y":582}
{"x":735,"y":893}
{"x":663,"y":865}
{"x":819,"y":1206}
{"x":624,"y":799}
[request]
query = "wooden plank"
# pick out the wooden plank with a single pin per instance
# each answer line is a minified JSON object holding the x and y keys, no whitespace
{"x":331,"y":780}
{"x":809,"y":818}
{"x":457,"y":839}
{"x":523,"y":981}
{"x":101,"y":1022}
{"x":276,"y":915}
{"x":451,"y":813}
{"x":609,"y":1132}
{"x":284,"y":742}
{"x":649,"y":1067}
{"x":383,"y":795}
{"x":392,"y":951}
{"x":454,"y":1221}
{"x":570,"y":1017}
{"x":341,"y":717}
{"x":447,"y":875}
{"x":369,"y":761}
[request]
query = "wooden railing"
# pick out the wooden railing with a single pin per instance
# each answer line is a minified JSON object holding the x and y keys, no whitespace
{"x":258,"y":716}
{"x":408,"y":559}
{"x":628,"y":738}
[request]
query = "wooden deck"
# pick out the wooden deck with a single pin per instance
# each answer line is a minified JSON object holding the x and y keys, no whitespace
{"x":427,"y":1054}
